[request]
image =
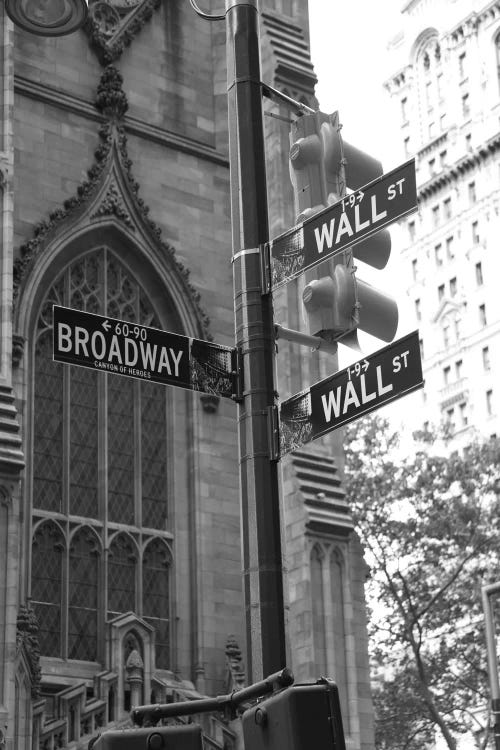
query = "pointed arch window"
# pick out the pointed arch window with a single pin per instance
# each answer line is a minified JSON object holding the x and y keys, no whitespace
{"x":100,"y":463}
{"x":156,"y":596}
{"x":83,"y":596}
{"x":47,"y":586}
{"x":122,"y":566}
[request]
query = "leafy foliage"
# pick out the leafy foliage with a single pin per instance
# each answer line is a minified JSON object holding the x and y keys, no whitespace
{"x":430,"y":525}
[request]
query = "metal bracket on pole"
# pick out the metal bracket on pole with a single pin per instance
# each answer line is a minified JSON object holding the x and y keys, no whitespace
{"x":265,"y":268}
{"x":315,"y":342}
{"x":237,"y":374}
{"x":273,"y":427}
{"x":277,"y":96}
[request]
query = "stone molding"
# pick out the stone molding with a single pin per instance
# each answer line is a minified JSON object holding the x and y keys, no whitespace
{"x":111,"y":156}
{"x":113,"y":24}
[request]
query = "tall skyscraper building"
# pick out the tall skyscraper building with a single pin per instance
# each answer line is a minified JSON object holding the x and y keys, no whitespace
{"x":445,"y":85}
{"x":120,"y":565}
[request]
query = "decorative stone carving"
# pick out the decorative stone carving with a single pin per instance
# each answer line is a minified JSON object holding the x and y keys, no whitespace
{"x":17,"y":349}
{"x":112,"y":24}
{"x":234,"y":661}
{"x":112,"y":102}
{"x":27,"y":637}
{"x":112,"y":204}
{"x":210,"y":402}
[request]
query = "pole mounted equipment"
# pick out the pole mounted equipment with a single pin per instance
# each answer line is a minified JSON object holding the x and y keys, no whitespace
{"x":323,"y":167}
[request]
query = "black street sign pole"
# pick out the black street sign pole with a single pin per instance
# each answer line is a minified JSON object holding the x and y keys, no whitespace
{"x":254,"y":329}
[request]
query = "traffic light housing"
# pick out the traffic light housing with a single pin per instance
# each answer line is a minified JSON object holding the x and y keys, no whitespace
{"x":300,"y":717}
{"x":179,"y":737}
{"x":322,"y":167}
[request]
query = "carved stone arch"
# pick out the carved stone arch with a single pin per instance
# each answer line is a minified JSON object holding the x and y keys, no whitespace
{"x":114,"y":537}
{"x":107,"y":208}
{"x":421,"y":42}
{"x":49,"y":522}
{"x":164,"y":543}
{"x":85,"y":527}
{"x":317,"y":550}
{"x":337,"y":555}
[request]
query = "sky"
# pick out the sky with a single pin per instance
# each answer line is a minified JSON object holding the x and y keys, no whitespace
{"x":348,"y":48}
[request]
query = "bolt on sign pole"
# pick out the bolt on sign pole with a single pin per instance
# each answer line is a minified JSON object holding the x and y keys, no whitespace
{"x":254,"y":330}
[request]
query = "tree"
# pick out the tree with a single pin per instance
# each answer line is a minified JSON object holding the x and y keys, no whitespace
{"x":430,"y":525}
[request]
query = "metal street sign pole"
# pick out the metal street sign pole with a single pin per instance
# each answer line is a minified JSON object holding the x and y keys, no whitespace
{"x":254,"y":329}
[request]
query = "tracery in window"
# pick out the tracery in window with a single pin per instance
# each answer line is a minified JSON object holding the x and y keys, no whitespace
{"x":47,"y":584}
{"x":156,"y":597}
{"x":83,"y":596}
{"x":100,"y":462}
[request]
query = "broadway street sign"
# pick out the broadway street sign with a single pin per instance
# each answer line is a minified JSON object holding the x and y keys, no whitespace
{"x":137,"y":351}
{"x":337,"y":227}
{"x":382,"y":377}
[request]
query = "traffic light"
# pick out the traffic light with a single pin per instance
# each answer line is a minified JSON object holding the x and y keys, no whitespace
{"x":322,"y":168}
{"x":181,"y":737}
{"x":300,"y":717}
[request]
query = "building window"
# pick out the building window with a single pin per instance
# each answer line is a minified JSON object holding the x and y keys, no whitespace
{"x":421,"y":344}
{"x":414,"y":269}
{"x":432,"y":129}
{"x":468,"y":142}
{"x":411,"y":230}
{"x":472,"y":192}
{"x":404,"y":110}
{"x":461,"y":66}
{"x":450,"y":251}
{"x":432,"y":167}
{"x":443,"y":120}
{"x":486,"y":359}
{"x":440,"y":292}
{"x":489,"y":402}
{"x":446,"y":336}
{"x":458,"y":369}
{"x":446,"y":374}
{"x":465,"y":105}
{"x":438,"y":255}
{"x":435,"y":216}
{"x":453,"y":286}
{"x":464,"y":420}
{"x":482,"y":314}
{"x":457,"y":323}
{"x":450,"y":419}
{"x":475,"y":233}
{"x":442,"y":158}
{"x":479,"y":274}
{"x":447,"y":208}
{"x":407,"y":145}
{"x":96,"y":436}
{"x":418,"y":310}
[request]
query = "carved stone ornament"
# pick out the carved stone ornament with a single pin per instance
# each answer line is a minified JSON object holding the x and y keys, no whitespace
{"x":112,"y":24}
{"x":109,"y":190}
{"x":27,"y":637}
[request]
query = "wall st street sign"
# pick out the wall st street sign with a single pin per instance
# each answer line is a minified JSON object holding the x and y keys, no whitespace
{"x":382,"y":377}
{"x":355,"y":217}
{"x":137,"y":351}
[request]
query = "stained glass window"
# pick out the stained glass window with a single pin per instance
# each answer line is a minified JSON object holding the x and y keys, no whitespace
{"x":46,"y":585}
{"x":48,"y":428}
{"x":155,"y":592}
{"x":122,"y":563}
{"x":153,"y":437}
{"x":100,"y":459}
{"x":83,"y":596}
